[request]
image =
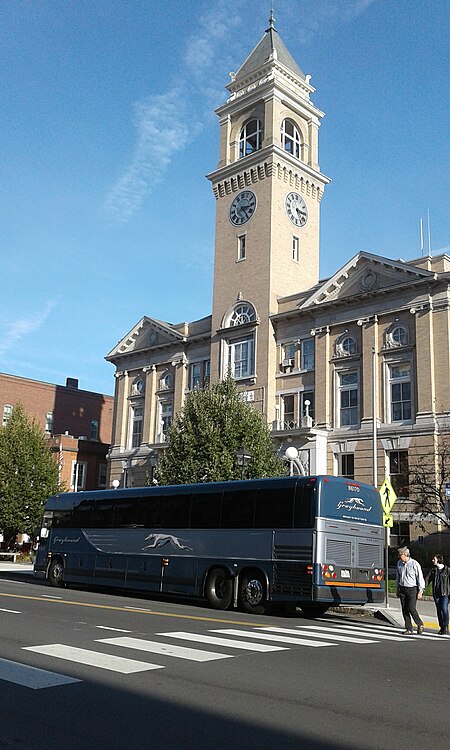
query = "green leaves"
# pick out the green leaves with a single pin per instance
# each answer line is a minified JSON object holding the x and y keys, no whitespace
{"x":28,"y":473}
{"x":204,"y":439}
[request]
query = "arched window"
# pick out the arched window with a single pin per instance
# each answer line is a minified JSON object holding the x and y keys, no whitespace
{"x":290,"y":138}
{"x":399,"y":336}
{"x":250,"y":138}
{"x":166,"y":382}
{"x":346,"y":345}
{"x":242,"y":314}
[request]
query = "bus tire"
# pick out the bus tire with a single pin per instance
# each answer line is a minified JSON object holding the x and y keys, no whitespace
{"x":56,"y":572}
{"x":252,"y":593}
{"x":310,"y":609}
{"x":219,"y":588}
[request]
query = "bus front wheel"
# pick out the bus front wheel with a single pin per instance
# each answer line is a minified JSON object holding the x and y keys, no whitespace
{"x":252,"y":593}
{"x":314,"y":610}
{"x":56,"y":572}
{"x":219,"y":589}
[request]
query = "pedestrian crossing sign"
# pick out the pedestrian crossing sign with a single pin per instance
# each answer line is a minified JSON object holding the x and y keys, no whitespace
{"x":388,"y":521}
{"x":387,"y":496}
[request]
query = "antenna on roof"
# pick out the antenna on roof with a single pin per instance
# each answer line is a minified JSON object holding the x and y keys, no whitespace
{"x":421,"y":236}
{"x":429,"y":233}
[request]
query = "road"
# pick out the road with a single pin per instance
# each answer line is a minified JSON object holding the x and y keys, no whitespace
{"x":87,"y":669}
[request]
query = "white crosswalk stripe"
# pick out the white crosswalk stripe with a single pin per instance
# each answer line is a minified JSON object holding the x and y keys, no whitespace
{"x":273,"y":637}
{"x":228,"y":642}
{"x":31,"y":677}
{"x":164,"y":649}
{"x":331,"y":636}
{"x":93,"y":658}
{"x":380,"y":636}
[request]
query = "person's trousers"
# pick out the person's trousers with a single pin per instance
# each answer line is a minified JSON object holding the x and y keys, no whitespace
{"x":441,"y":603}
{"x":408,"y":600}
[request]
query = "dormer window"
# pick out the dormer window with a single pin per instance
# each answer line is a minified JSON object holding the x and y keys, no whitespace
{"x":242,"y":314}
{"x":290,"y":138}
{"x":250,"y":139}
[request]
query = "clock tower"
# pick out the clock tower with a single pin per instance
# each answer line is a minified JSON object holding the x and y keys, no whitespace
{"x":268,"y":188}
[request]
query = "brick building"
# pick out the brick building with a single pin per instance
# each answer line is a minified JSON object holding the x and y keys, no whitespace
{"x":326,"y":360}
{"x":78,"y":424}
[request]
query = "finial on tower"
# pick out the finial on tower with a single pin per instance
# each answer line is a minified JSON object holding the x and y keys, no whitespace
{"x":271,"y":20}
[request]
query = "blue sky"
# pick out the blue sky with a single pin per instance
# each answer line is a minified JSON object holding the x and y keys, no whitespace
{"x":107,"y":131}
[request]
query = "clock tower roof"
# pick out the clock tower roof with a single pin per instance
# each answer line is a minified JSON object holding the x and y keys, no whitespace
{"x":270,"y":47}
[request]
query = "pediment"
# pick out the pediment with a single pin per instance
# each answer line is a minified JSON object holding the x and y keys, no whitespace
{"x":149,"y":333}
{"x":365,"y":273}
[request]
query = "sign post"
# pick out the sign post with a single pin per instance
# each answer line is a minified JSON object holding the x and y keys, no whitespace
{"x":387,"y":500}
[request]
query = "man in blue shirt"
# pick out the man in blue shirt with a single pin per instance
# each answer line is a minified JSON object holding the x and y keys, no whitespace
{"x":410,"y":585}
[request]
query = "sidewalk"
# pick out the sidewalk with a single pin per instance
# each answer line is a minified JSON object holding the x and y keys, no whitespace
{"x":16,"y":567}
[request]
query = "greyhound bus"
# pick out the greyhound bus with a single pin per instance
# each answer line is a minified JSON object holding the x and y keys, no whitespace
{"x":308,"y":542}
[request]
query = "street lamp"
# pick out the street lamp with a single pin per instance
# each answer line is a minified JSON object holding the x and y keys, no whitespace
{"x":115,"y":484}
{"x":291,"y":455}
{"x":242,"y":459}
{"x":126,"y":465}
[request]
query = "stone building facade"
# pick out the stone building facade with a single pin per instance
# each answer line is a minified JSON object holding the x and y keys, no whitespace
{"x":352,"y":369}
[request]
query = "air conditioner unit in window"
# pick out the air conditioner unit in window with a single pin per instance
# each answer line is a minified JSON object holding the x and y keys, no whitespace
{"x":287,"y":363}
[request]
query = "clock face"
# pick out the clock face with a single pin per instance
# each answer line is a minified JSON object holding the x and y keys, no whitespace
{"x":242,"y":208}
{"x":296,"y":209}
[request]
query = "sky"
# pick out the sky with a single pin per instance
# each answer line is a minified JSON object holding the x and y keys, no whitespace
{"x":107,"y":130}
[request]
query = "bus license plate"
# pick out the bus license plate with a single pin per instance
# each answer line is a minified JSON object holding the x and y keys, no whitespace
{"x":345,"y":574}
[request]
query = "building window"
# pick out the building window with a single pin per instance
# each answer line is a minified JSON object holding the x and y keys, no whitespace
{"x":250,"y":139}
{"x":242,"y":314}
{"x":396,"y":336}
{"x":49,"y":422}
{"x":166,"y":382}
{"x":241,"y":357}
{"x":288,"y":355}
{"x":400,"y":392}
{"x":78,"y":481}
{"x":304,"y":397}
{"x":290,"y":138}
{"x":165,"y":419}
{"x":102,"y":474}
{"x":348,"y":399}
{"x":199,"y":375}
{"x":288,"y":416}
{"x":296,"y":249}
{"x":307,"y":354}
{"x":137,"y":419}
{"x":346,"y":346}
{"x":7,"y":414}
{"x":241,"y":247}
{"x":400,"y":534}
{"x":346,"y":465}
{"x":399,"y":472}
{"x":93,"y":435}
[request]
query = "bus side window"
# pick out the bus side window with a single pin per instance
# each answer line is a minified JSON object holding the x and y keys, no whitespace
{"x":149,"y":511}
{"x":304,"y":506}
{"x":176,"y":511}
{"x":205,"y":510}
{"x":82,"y":515}
{"x":274,"y":508}
{"x":102,"y":515}
{"x":125,"y":513}
{"x":62,"y":519}
{"x":237,"y":509}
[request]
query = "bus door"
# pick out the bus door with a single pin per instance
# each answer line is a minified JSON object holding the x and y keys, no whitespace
{"x":179,"y":575}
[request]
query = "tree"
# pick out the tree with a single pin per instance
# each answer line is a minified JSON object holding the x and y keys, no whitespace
{"x":204,"y":439}
{"x":428,"y":477}
{"x":28,"y":473}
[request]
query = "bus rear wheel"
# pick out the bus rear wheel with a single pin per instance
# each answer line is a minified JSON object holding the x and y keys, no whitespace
{"x":219,"y":589}
{"x":252,"y":593}
{"x":314,"y":610}
{"x":56,"y":572}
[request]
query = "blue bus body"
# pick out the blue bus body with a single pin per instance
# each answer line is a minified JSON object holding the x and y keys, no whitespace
{"x":312,"y":542}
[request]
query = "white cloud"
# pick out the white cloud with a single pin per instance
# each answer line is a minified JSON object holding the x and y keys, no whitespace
{"x":21,"y":327}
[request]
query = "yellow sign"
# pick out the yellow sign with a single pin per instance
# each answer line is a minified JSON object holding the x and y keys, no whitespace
{"x":387,"y":496}
{"x":388,"y":520}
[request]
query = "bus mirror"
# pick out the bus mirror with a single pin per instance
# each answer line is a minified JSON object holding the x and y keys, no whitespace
{"x":44,"y":533}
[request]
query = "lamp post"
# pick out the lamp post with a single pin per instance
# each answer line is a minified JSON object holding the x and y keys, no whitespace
{"x":242,"y":459}
{"x":126,"y":464}
{"x":291,"y":455}
{"x":115,"y":484}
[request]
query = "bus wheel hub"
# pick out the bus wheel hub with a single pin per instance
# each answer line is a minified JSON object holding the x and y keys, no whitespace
{"x":254,"y":591}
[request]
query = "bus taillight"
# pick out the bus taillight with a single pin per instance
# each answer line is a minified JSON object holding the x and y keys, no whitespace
{"x":378,"y":574}
{"x":309,"y":570}
{"x":328,"y":571}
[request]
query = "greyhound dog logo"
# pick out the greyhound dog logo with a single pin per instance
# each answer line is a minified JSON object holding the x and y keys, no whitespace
{"x":160,"y":540}
{"x":357,"y":501}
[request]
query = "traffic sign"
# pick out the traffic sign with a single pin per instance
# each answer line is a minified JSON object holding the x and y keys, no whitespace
{"x":387,"y":496}
{"x":388,"y":521}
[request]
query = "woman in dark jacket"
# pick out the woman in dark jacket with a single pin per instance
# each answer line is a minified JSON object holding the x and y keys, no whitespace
{"x":439,"y":577}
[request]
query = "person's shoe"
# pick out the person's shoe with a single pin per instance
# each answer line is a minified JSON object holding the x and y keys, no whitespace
{"x":408,"y":632}
{"x":420,"y":629}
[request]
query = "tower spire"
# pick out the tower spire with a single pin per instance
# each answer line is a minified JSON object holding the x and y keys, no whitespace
{"x":271,"y":20}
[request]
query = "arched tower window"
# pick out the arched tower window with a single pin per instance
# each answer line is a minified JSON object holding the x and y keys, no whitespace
{"x":290,"y":138}
{"x":251,"y":136}
{"x":241,"y":314}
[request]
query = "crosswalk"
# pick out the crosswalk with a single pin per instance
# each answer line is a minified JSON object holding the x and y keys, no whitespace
{"x":117,"y":653}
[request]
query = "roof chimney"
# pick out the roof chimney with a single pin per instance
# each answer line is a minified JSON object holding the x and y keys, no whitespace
{"x":71,"y":383}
